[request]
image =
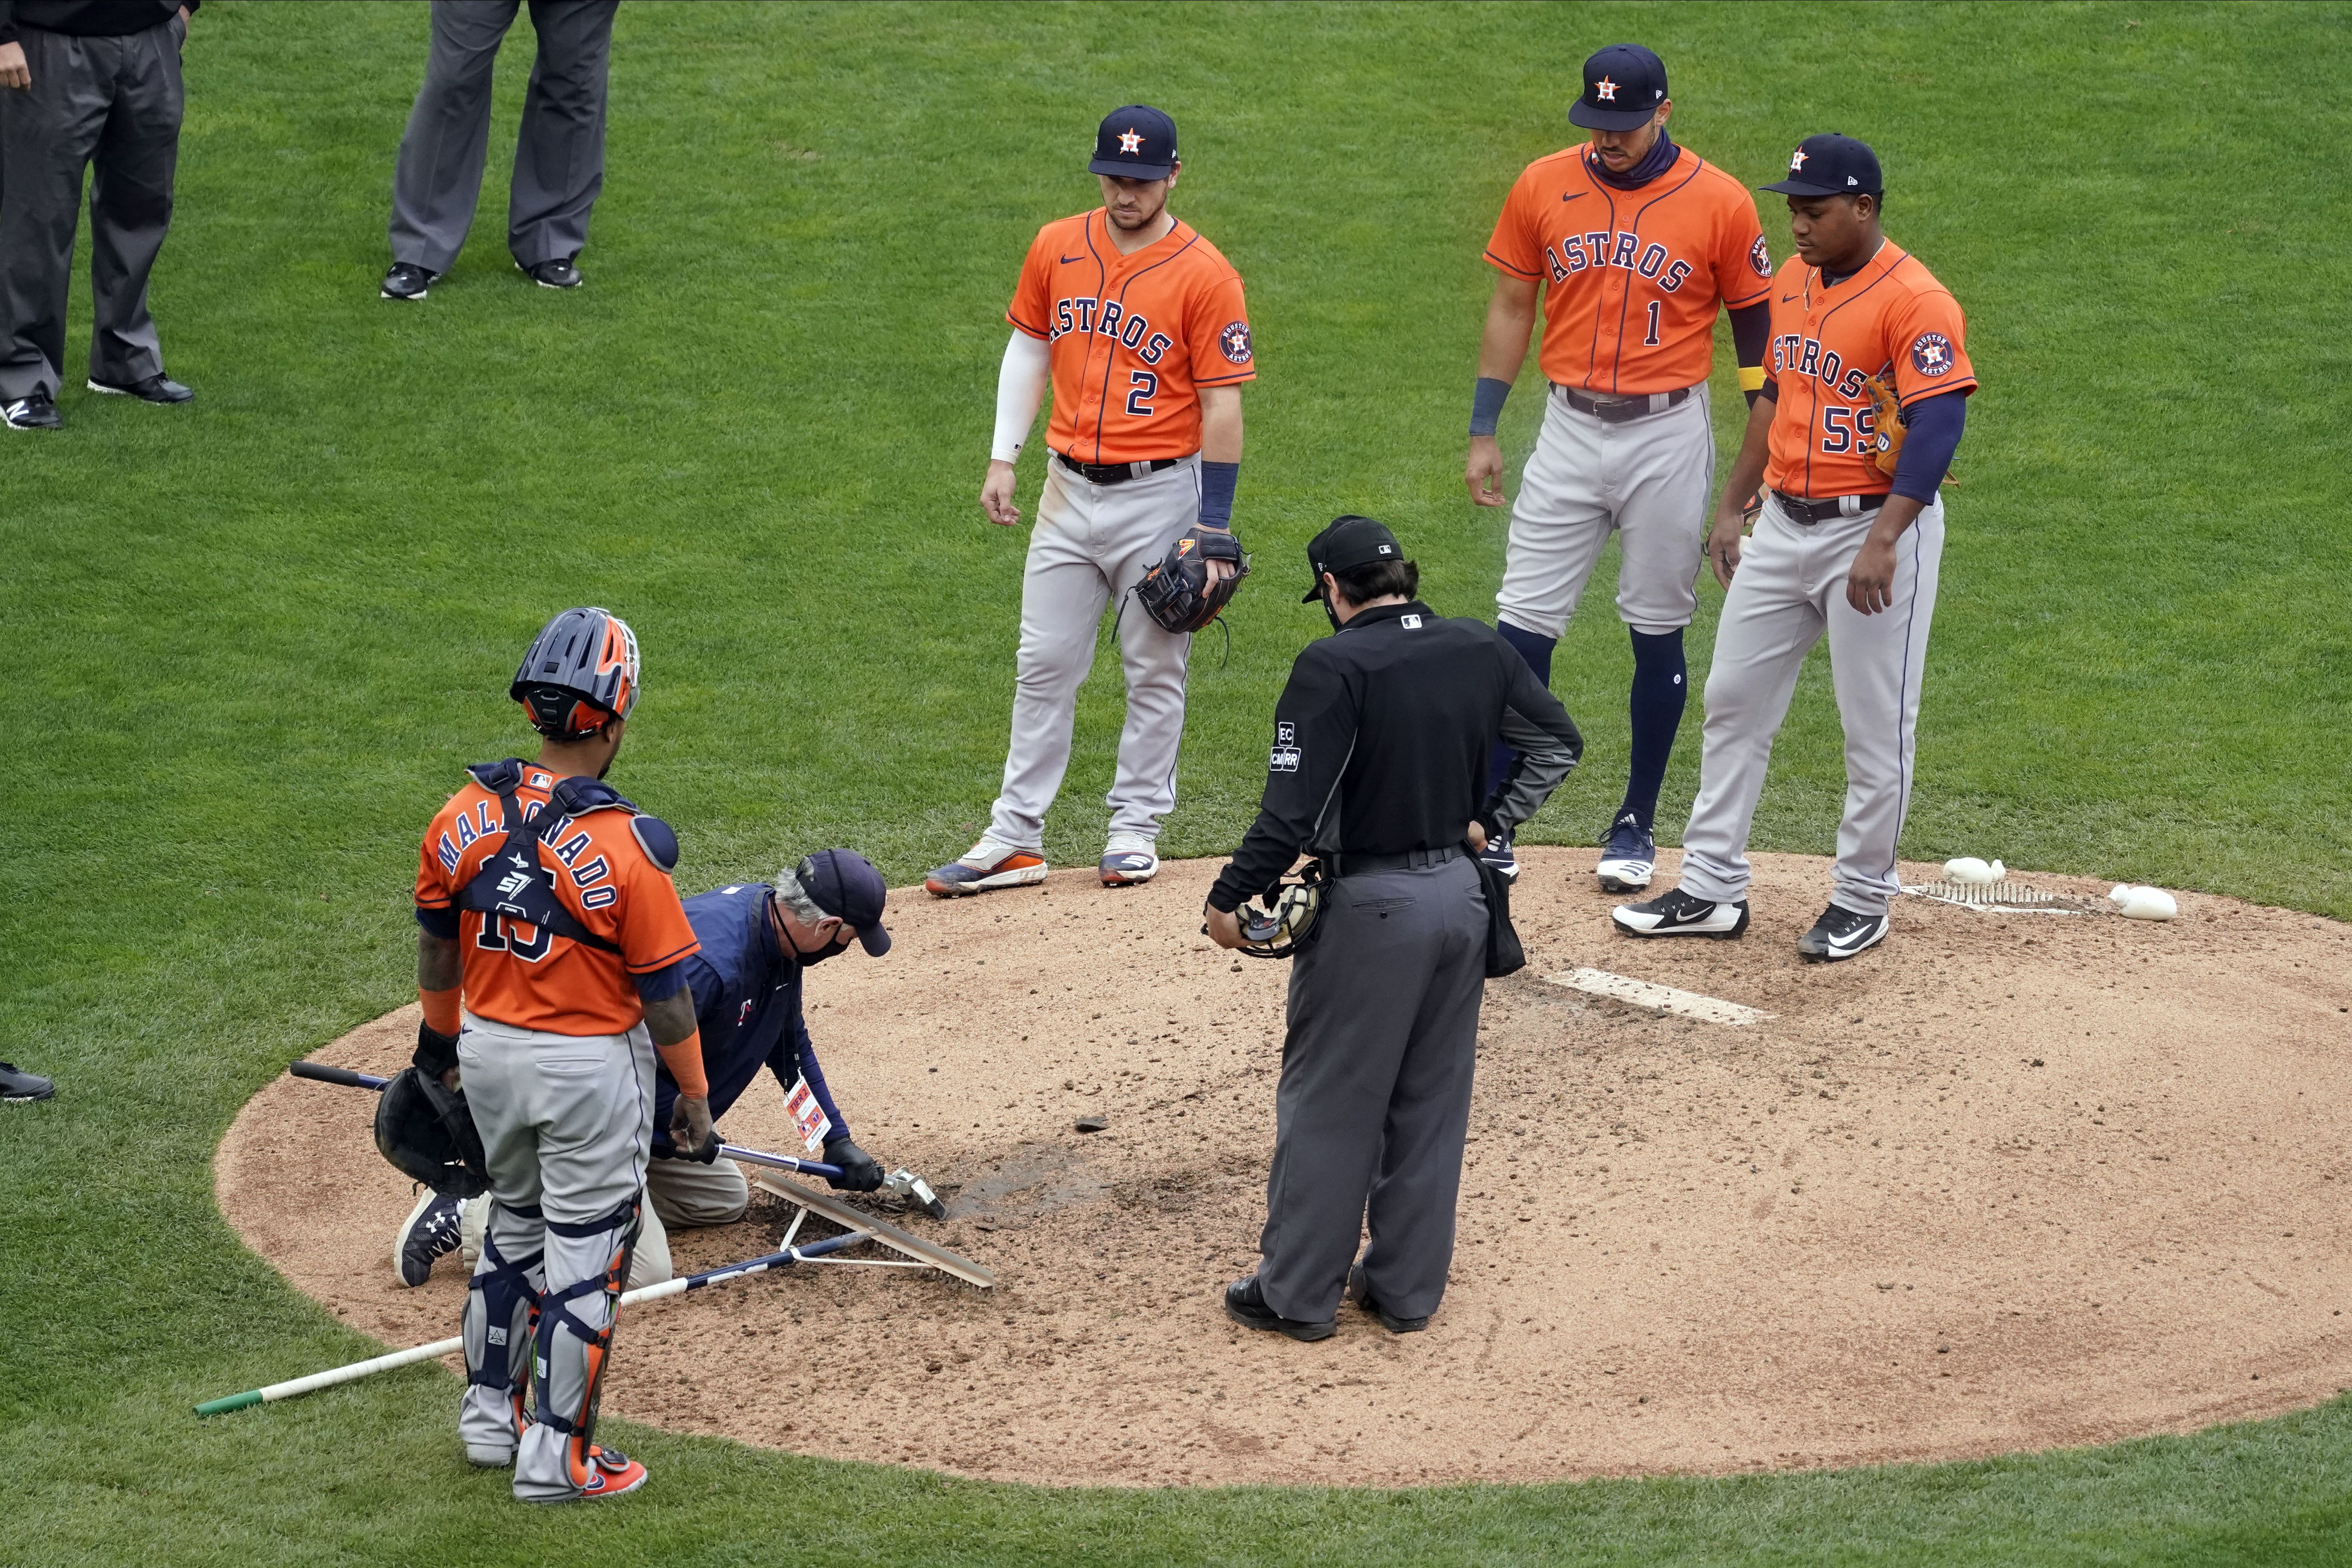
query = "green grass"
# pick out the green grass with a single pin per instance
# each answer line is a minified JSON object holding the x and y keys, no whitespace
{"x":250,"y":643}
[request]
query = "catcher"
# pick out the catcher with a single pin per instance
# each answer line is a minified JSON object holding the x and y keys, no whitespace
{"x":1139,"y":324}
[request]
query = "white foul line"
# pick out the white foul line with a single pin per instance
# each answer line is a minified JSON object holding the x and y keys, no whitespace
{"x":1665,"y":999}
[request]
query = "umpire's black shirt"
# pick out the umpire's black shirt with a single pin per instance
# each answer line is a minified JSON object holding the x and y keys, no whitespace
{"x":1382,"y":742}
{"x":88,"y":19}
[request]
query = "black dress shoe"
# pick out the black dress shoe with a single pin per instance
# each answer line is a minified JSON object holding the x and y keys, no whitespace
{"x":156,"y":387}
{"x":557,"y":274}
{"x":35,"y":413}
{"x":18,"y":1087}
{"x":1364,"y":1298}
{"x":406,"y":280}
{"x":1245,"y":1304}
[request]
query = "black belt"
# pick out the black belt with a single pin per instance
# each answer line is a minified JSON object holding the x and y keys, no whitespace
{"x":1114,"y":473}
{"x":1616,"y":411}
{"x":1408,"y":860}
{"x":1828,"y":507}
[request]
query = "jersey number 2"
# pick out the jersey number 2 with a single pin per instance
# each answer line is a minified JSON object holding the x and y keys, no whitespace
{"x":1146,"y":387}
{"x":1652,"y":340}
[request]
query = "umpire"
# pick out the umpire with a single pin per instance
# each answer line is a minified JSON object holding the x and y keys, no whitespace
{"x":1378,"y":769}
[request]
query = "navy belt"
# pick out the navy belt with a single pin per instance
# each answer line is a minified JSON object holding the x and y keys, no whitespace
{"x":1114,"y":473}
{"x":1408,"y":860}
{"x":1828,"y":507}
{"x":1617,"y":410}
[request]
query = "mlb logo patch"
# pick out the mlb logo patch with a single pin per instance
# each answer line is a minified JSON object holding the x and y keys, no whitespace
{"x":1409,"y":623}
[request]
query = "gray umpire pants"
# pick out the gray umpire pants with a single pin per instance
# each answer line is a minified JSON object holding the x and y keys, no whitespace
{"x":558,"y":155}
{"x":111,"y":104}
{"x":1374,"y":1098}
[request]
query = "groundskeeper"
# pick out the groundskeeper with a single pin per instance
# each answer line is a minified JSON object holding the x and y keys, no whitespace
{"x":551,"y":964}
{"x":1379,"y":768}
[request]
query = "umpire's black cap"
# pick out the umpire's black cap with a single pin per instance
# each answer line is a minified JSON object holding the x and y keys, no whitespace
{"x":845,"y":883}
{"x":1349,"y":542}
{"x":1135,"y":141}
{"x":1831,"y":165}
{"x":1623,"y":85}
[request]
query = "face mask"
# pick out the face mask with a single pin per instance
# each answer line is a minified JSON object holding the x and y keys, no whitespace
{"x":1328,"y":613}
{"x":821,"y":954}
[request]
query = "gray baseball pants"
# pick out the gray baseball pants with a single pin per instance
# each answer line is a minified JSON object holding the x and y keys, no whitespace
{"x":1645,"y":479}
{"x":680,"y":1195}
{"x":1090,"y":544}
{"x":1789,"y":591}
{"x":111,"y":105}
{"x":558,"y":155}
{"x":566,"y":1124}
{"x":1374,"y":1098}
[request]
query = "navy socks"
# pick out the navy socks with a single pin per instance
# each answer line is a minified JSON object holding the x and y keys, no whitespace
{"x":1661,"y":685}
{"x":1536,"y":652}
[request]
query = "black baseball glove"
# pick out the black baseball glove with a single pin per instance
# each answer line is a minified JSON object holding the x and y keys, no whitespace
{"x":1177,"y":592}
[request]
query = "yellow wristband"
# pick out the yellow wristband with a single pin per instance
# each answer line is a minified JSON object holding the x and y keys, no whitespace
{"x":1751,"y":378}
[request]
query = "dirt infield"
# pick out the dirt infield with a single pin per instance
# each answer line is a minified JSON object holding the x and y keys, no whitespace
{"x":2005,"y":1183}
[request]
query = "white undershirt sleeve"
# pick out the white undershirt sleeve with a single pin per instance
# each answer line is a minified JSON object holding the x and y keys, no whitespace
{"x":1020,"y":389}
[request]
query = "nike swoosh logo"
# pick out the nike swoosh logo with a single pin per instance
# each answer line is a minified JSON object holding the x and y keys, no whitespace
{"x":1068,"y":259}
{"x":1573,"y":195}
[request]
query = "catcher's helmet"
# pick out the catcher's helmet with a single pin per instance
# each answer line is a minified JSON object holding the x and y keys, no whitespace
{"x":428,"y":1132}
{"x":581,"y":671}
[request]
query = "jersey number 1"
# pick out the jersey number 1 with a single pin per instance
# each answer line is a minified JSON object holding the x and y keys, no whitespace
{"x":1652,"y":340}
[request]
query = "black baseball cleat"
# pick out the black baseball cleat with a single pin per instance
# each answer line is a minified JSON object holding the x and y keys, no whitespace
{"x":20,"y":1088}
{"x":34,"y":413}
{"x":406,"y":280}
{"x":1677,"y":914}
{"x":1245,"y":1304}
{"x":157,"y":388}
{"x":1361,"y":1295}
{"x":430,"y":1229}
{"x":1841,"y":934}
{"x":557,"y":274}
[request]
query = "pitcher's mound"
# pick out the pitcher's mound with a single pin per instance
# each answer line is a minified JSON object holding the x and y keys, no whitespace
{"x":2006,"y":1182}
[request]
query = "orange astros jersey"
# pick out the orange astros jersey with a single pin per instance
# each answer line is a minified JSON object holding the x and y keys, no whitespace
{"x":1632,"y":279}
{"x":530,"y":977}
{"x":1132,"y":337}
{"x":1890,"y":319}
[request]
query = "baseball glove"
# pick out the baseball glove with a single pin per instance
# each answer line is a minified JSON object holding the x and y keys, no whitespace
{"x":1177,"y":592}
{"x":1886,"y":416}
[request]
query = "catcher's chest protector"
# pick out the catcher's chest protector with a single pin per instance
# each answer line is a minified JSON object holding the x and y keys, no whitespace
{"x":514,"y":884}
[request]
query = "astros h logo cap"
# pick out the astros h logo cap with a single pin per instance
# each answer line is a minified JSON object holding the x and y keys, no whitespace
{"x":1623,"y":85}
{"x":1135,"y":141}
{"x":1830,"y":165}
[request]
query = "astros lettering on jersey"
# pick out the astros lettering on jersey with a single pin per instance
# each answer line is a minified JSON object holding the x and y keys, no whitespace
{"x":519,"y":974}
{"x":1891,"y":319}
{"x":1632,"y":279}
{"x":1132,"y":337}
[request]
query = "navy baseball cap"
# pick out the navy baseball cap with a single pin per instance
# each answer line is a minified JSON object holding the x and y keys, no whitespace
{"x":1349,"y":542}
{"x":1623,"y":85}
{"x":845,"y":883}
{"x":1135,"y":142}
{"x":1831,"y":165}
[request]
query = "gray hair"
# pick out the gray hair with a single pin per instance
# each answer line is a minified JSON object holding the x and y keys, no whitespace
{"x":794,"y":897}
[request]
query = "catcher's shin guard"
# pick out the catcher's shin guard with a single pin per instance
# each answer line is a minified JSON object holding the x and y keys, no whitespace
{"x":501,"y":1317}
{"x":587,"y":1266}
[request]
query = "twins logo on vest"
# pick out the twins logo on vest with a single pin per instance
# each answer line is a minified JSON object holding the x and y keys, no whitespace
{"x":1108,"y":318}
{"x":1931,"y":354}
{"x":1605,"y":248}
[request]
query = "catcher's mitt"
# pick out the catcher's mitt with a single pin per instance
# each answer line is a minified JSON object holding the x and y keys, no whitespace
{"x":1177,"y":592}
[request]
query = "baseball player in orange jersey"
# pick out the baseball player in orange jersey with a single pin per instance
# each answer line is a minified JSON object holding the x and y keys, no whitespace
{"x":1632,"y":244}
{"x":1848,"y":542}
{"x":1140,"y":324}
{"x":551,"y":965}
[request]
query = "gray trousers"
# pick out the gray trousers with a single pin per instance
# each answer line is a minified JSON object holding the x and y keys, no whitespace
{"x":1374,"y":1098}
{"x":1788,"y":592}
{"x":111,"y":104}
{"x":558,"y":156}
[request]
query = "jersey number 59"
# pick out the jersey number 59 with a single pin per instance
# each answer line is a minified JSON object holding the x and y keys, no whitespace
{"x":1842,"y":427}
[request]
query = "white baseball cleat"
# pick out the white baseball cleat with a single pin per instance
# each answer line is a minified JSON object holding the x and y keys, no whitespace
{"x":1677,"y":914}
{"x":988,"y":866}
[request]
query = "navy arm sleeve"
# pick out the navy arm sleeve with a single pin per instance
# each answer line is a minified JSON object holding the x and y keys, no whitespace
{"x":1933,"y":428}
{"x":1751,"y":331}
{"x":1314,"y":737}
